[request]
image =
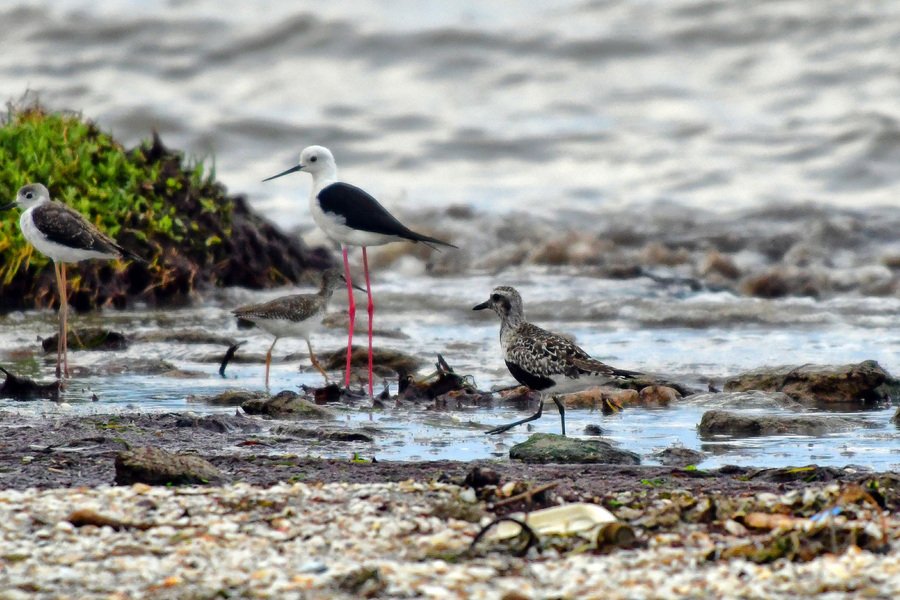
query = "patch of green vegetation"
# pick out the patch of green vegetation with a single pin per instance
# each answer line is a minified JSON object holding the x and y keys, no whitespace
{"x":655,"y":482}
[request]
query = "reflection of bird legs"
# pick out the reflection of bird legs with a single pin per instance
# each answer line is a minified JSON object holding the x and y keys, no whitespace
{"x":315,"y":362}
{"x":269,"y":362}
{"x":535,"y":417}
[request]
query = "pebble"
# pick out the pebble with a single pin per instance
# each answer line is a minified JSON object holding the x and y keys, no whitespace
{"x":299,"y":540}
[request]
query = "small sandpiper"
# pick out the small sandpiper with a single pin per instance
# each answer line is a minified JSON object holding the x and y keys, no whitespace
{"x":538,"y":358}
{"x":350,"y":216}
{"x":297,"y":315}
{"x":65,"y":236}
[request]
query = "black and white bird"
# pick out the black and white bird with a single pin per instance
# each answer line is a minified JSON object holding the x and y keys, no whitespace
{"x":537,"y":358}
{"x":297,"y":315}
{"x":351,"y":217}
{"x":65,"y":236}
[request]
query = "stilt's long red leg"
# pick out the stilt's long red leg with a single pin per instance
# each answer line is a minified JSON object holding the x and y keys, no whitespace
{"x":59,"y":336}
{"x":352,"y":311}
{"x":371,"y":309}
{"x":65,"y":319}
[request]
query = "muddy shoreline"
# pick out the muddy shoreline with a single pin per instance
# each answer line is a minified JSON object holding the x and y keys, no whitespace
{"x":80,"y":451}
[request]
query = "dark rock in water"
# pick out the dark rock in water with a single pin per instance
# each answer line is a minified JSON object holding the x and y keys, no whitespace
{"x":896,"y":418}
{"x":23,"y":388}
{"x":817,"y":383}
{"x":185,"y":336}
{"x":386,"y":362}
{"x":92,"y":338}
{"x":286,"y":405}
{"x":339,"y":435}
{"x":142,"y":366}
{"x":219,"y":423}
{"x":734,"y":423}
{"x":677,"y":456}
{"x":779,"y":283}
{"x":593,"y":429}
{"x":552,"y":448}
{"x":229,"y":398}
{"x":155,"y":466}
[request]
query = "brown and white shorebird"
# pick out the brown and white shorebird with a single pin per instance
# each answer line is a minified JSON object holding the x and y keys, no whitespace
{"x":297,"y":315}
{"x":351,"y":217}
{"x":63,"y":235}
{"x":537,"y":358}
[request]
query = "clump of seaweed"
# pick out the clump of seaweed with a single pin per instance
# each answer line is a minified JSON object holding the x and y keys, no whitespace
{"x":168,"y":209}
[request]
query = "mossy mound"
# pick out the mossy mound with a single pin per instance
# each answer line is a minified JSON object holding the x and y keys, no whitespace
{"x":153,"y":201}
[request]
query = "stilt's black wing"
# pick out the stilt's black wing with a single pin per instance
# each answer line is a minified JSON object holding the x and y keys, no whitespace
{"x":359,"y":210}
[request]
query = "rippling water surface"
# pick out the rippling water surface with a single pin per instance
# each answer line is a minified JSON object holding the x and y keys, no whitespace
{"x":650,"y":134}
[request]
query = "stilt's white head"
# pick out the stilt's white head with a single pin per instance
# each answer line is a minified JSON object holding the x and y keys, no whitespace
{"x":28,"y":196}
{"x":316,"y":160}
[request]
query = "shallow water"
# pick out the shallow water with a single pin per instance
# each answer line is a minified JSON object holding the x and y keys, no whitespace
{"x":441,"y":320}
{"x":646,"y":134}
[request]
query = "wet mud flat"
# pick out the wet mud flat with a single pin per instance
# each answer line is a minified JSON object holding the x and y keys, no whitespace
{"x":274,"y":521}
{"x":79,"y":451}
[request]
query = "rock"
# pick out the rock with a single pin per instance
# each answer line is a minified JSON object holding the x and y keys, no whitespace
{"x":734,"y":423}
{"x":23,"y":388}
{"x":185,"y":336}
{"x":228,"y":398}
{"x":749,"y":399}
{"x":658,"y":395}
{"x":779,"y":283}
{"x":92,"y":338}
{"x":286,"y":405}
{"x":896,"y":418}
{"x":218,"y":423}
{"x":720,"y":264}
{"x":593,"y":429}
{"x":479,"y":477}
{"x":142,"y":366}
{"x":155,"y":466}
{"x":552,"y":448}
{"x":599,"y":398}
{"x":387,"y":362}
{"x":817,"y":383}
{"x":677,"y":456}
{"x":340,"y":435}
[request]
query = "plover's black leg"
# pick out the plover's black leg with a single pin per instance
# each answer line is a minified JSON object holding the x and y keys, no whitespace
{"x":562,"y":413}
{"x":509,"y":426}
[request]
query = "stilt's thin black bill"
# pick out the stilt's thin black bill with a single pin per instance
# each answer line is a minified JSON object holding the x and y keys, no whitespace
{"x":7,"y":206}
{"x":293,"y":169}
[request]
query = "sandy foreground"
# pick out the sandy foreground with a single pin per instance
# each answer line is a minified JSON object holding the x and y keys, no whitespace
{"x":391,"y":540}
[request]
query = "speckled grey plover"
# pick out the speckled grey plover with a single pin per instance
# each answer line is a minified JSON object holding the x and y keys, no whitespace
{"x":65,"y":236}
{"x":351,"y":217}
{"x":538,"y":358}
{"x":297,"y":315}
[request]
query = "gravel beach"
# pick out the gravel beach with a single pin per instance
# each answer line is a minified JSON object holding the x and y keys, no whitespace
{"x":363,"y":540}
